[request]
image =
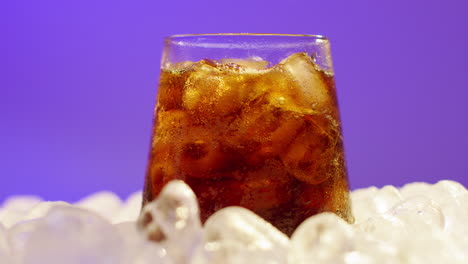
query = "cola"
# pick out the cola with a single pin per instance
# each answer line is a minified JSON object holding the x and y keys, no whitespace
{"x":244,"y":132}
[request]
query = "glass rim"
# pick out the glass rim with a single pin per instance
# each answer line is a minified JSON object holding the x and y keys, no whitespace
{"x":245,"y":40}
{"x":312,"y":36}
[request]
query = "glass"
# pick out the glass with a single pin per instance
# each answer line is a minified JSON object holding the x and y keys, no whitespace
{"x":250,"y":120}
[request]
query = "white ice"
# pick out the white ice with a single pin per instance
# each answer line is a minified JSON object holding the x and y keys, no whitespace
{"x":418,"y":223}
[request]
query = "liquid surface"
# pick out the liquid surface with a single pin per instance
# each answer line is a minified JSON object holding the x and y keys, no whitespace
{"x":239,"y":133}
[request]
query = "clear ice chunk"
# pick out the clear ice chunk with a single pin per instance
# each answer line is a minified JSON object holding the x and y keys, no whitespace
{"x":18,"y":235}
{"x":323,"y":238}
{"x":327,"y":239}
{"x":173,"y":219}
{"x":362,"y":203}
{"x":452,"y":199}
{"x":41,"y":209}
{"x":311,"y":86}
{"x":104,"y":203}
{"x":5,"y":253}
{"x":237,"y":235}
{"x":372,"y":201}
{"x":217,"y":90}
{"x":130,"y":210}
{"x":255,"y":62}
{"x":417,"y":224}
{"x":413,"y":226}
{"x":21,"y":203}
{"x":138,"y":250}
{"x":419,"y":214}
{"x":15,"y":207}
{"x":208,"y":89}
{"x":72,"y":236}
{"x":151,"y":253}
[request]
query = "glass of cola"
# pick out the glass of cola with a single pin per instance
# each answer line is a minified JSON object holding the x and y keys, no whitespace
{"x":250,"y":120}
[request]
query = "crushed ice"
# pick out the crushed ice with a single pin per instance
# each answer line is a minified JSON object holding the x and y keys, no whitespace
{"x":418,"y":223}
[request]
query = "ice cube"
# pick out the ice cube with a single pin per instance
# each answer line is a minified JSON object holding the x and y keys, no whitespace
{"x":284,"y":101}
{"x":16,"y":207}
{"x":183,"y":65}
{"x":412,"y":236}
{"x":405,"y":221}
{"x":236,"y":235}
{"x":150,"y":253}
{"x":215,"y":91}
{"x":415,"y":189}
{"x":386,"y":198}
{"x":177,"y":210}
{"x":104,"y":203}
{"x":315,"y":155}
{"x":453,"y":188}
{"x":326,"y":238}
{"x":362,"y":203}
{"x":323,"y":238}
{"x":365,"y":249}
{"x":452,"y":198}
{"x":171,"y":129}
{"x":432,"y":248}
{"x":232,"y":252}
{"x":203,"y":86}
{"x":419,"y":214}
{"x":10,"y":217}
{"x":130,"y":209}
{"x":200,"y":155}
{"x":171,"y":85}
{"x":71,"y":235}
{"x":305,"y":82}
{"x":21,"y":202}
{"x":173,"y":219}
{"x":171,"y":125}
{"x":138,"y":250}
{"x":41,"y":209}
{"x":277,"y":138}
{"x":149,"y":225}
{"x":5,"y":254}
{"x":253,"y":125}
{"x":19,"y":234}
{"x":129,"y":231}
{"x":255,"y":62}
{"x":383,"y":227}
{"x":375,"y":201}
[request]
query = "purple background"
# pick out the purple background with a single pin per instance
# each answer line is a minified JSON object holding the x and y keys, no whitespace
{"x":78,"y":81}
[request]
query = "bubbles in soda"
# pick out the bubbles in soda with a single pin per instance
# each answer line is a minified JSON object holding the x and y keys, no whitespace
{"x":242,"y":133}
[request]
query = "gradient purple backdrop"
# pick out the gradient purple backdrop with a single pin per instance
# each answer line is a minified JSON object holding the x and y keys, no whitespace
{"x":78,"y":83}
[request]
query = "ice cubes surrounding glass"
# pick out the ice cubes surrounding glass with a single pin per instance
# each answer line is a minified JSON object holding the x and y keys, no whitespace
{"x":15,"y":207}
{"x":173,"y":220}
{"x":237,"y":235}
{"x":323,"y":238}
{"x":418,"y":223}
{"x":106,"y":203}
{"x":89,"y":239}
{"x":129,"y":210}
{"x":139,"y":250}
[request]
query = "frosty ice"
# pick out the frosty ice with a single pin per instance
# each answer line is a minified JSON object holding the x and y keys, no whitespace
{"x":418,"y":223}
{"x":251,"y":121}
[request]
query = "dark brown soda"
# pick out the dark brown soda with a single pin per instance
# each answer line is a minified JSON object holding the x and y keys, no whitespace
{"x":268,"y":139}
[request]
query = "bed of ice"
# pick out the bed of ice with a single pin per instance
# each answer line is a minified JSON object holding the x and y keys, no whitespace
{"x":418,"y":223}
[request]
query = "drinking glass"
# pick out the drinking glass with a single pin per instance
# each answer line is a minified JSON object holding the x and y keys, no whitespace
{"x":250,"y":120}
